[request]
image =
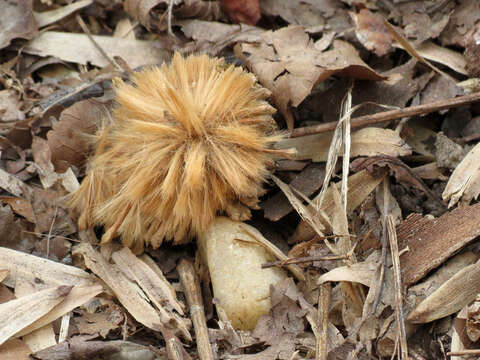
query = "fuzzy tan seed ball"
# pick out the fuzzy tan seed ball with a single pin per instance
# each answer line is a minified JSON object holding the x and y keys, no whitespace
{"x":187,"y":141}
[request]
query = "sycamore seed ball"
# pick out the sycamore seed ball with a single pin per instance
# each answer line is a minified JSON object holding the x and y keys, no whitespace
{"x":188,"y":141}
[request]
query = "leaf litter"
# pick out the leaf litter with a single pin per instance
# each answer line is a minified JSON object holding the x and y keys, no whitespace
{"x":378,"y":245}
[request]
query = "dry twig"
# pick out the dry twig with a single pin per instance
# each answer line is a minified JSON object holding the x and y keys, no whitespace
{"x":390,"y":115}
{"x":321,"y":349}
{"x":193,"y":294}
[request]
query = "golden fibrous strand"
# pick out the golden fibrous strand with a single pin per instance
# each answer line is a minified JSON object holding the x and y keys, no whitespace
{"x":187,"y":141}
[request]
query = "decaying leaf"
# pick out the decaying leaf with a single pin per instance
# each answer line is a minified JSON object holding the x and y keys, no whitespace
{"x":158,"y":289}
{"x":246,"y":11}
{"x":431,"y":242}
{"x":360,"y":185}
{"x":453,"y":295}
{"x":212,"y":36}
{"x":371,"y":32}
{"x":417,"y":293}
{"x":154,"y":13}
{"x":107,"y":350}
{"x":68,"y":139}
{"x":464,"y":183}
{"x":45,"y":18}
{"x":402,"y":172}
{"x":78,"y":48}
{"x":17,"y":21}
{"x":278,"y":67}
{"x":23,"y":267}
{"x":307,"y":182}
{"x":17,"y":314}
{"x":78,"y":295}
{"x":369,"y":141}
{"x":130,"y":294}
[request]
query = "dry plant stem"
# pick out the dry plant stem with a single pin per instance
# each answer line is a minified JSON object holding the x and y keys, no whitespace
{"x":468,"y":352}
{"x":321,"y":350}
{"x":305,"y":259}
{"x":399,"y":316}
{"x":390,"y":115}
{"x":174,"y":350}
{"x":98,"y":47}
{"x":193,"y":294}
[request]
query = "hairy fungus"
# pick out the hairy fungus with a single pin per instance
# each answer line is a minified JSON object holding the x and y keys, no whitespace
{"x":187,"y":141}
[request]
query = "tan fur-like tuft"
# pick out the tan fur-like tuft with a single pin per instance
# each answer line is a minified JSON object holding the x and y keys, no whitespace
{"x":188,"y":141}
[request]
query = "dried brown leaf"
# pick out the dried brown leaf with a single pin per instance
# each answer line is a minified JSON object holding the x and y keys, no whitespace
{"x":45,"y":18}
{"x":129,"y":293}
{"x":309,"y":14}
{"x":10,"y":106}
{"x":23,"y":267}
{"x":464,"y":183}
{"x":402,"y":172}
{"x":15,"y":349}
{"x":369,"y":141}
{"x":242,"y":11}
{"x":20,"y":206}
{"x":290,"y":77}
{"x":453,"y":295}
{"x":79,"y":295}
{"x":17,"y":21}
{"x":211,"y":37}
{"x":154,"y":13}
{"x":79,"y":49}
{"x":371,"y":32}
{"x":68,"y":139}
{"x":108,"y":350}
{"x":158,"y":289}
{"x":307,"y":182}
{"x":360,"y":185}
{"x":17,"y":314}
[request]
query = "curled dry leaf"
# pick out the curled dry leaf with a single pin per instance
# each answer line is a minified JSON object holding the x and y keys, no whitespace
{"x":154,"y":13}
{"x":45,"y":18}
{"x":402,"y":172}
{"x":23,"y":267}
{"x":79,"y":295}
{"x":211,"y":37}
{"x":17,"y":314}
{"x":465,"y":180}
{"x":130,"y":294}
{"x":371,"y":32}
{"x":242,"y":11}
{"x":453,"y":295}
{"x":277,"y":63}
{"x":158,"y":289}
{"x":79,"y":49}
{"x":360,"y":185}
{"x":369,"y":141}
{"x":106,"y":350}
{"x":17,"y":21}
{"x":68,"y":139}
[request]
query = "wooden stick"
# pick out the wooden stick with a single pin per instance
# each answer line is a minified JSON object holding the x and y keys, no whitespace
{"x":321,"y":350}
{"x":193,"y":294}
{"x":399,"y":316}
{"x":390,"y":115}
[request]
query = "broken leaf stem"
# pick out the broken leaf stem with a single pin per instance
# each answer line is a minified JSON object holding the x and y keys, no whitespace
{"x":390,"y":115}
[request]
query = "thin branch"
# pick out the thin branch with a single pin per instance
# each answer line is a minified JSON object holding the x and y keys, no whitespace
{"x":390,"y":115}
{"x":303,"y":260}
{"x":97,"y":46}
{"x":399,"y":316}
{"x":193,"y":294}
{"x":321,"y":349}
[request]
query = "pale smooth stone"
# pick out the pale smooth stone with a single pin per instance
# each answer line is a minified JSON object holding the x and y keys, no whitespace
{"x":239,"y":283}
